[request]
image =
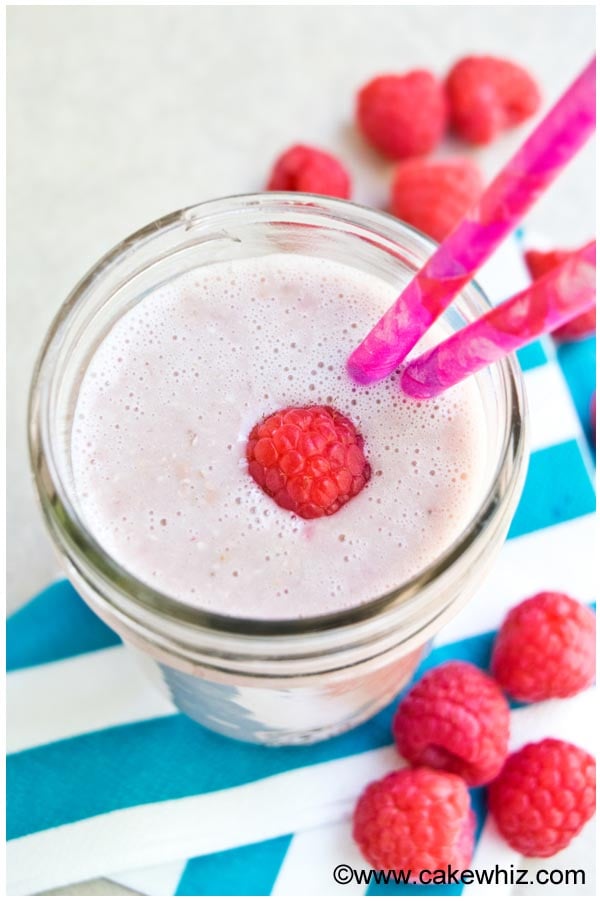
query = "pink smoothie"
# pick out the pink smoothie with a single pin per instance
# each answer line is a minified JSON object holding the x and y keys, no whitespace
{"x":167,"y":402}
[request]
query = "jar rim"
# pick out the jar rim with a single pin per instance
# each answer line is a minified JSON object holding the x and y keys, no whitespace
{"x":67,"y":527}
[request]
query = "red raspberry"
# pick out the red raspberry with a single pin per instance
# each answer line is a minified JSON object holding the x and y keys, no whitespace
{"x":313,"y":171}
{"x":546,"y":648}
{"x":415,"y":819}
{"x":544,"y":796}
{"x":540,"y":262}
{"x":403,"y":115}
{"x":310,"y":460}
{"x":455,"y":718}
{"x":488,"y":95}
{"x":433,"y":195}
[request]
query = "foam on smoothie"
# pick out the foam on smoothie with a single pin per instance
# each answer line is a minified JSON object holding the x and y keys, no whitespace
{"x":167,"y":402}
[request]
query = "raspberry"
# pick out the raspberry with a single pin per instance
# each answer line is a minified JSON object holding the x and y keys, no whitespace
{"x":433,"y":195}
{"x":415,"y":819}
{"x":540,"y":262}
{"x":456,"y":719}
{"x":402,"y":115}
{"x":581,"y":326}
{"x":544,"y":796}
{"x":487,"y":95}
{"x":310,"y":460}
{"x":545,"y":648}
{"x":313,"y":171}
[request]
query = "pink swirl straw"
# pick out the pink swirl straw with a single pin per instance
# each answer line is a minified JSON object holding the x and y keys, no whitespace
{"x":564,"y":292}
{"x":541,"y":158}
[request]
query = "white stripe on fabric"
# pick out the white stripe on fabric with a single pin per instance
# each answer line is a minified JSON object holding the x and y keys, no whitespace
{"x":558,"y":558}
{"x":505,"y":273}
{"x":97,"y":690}
{"x":155,"y":881}
{"x":572,"y":719}
{"x":169,"y":830}
{"x":552,"y":415}
{"x":307,"y":869}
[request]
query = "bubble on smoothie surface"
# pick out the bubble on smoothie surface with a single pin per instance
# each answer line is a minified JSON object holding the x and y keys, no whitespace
{"x":163,"y":417}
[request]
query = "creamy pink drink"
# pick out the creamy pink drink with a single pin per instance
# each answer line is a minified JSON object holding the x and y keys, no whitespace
{"x":163,"y":415}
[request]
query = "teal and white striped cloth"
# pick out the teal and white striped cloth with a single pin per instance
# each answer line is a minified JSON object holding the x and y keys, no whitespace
{"x":104,"y":778}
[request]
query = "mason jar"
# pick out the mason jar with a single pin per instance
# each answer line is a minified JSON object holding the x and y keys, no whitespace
{"x":282,"y":681}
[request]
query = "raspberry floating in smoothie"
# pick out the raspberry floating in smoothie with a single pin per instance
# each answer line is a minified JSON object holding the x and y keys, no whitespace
{"x":310,"y":460}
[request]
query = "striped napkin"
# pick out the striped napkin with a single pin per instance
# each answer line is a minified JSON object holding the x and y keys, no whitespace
{"x":105,"y":778}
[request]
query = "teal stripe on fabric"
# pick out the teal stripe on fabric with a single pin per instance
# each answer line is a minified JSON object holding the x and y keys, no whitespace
{"x":249,"y":870}
{"x":146,"y":762}
{"x":55,"y":625}
{"x":578,"y":363}
{"x":120,"y":767}
{"x":532,"y":355}
{"x":558,"y":488}
{"x":414,"y":891}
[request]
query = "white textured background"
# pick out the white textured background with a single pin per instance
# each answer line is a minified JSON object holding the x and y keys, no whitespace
{"x":117,"y":115}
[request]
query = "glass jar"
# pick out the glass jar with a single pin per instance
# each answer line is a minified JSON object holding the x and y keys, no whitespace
{"x":284,"y":681}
